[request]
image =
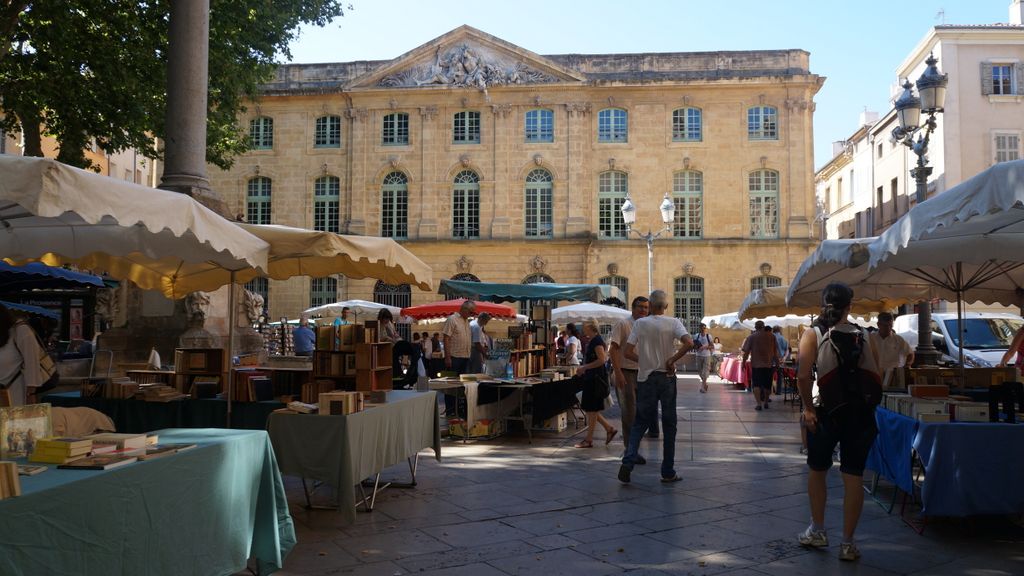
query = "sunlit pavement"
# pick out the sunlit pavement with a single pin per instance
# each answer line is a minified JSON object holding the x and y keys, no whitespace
{"x":508,"y":507}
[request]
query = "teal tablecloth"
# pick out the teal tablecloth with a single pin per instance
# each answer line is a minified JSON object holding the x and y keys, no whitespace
{"x":202,"y":511}
{"x":343,"y":450}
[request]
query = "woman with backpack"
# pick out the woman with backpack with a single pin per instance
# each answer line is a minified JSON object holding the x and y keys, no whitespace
{"x":849,"y":389}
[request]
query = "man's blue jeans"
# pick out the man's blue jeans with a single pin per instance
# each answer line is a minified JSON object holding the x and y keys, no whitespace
{"x":659,"y":387}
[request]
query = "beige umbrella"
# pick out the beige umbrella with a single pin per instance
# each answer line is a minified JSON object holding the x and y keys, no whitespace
{"x":301,"y":252}
{"x":765,"y":302}
{"x":160,"y":240}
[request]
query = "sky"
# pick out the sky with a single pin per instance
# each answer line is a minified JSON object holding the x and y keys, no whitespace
{"x":855,"y":45}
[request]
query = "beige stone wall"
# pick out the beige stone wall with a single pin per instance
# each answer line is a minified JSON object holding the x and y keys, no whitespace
{"x":726,"y":257}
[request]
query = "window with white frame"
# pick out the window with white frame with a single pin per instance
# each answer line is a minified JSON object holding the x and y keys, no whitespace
{"x":540,"y":126}
{"x":1002,"y":79}
{"x":395,"y":130}
{"x":612,"y":190}
{"x":260,"y":286}
{"x":687,"y":125}
{"x":538,"y":205}
{"x":394,"y":210}
{"x":327,"y":132}
{"x":466,"y":128}
{"x":764,"y":281}
{"x":257,"y":200}
{"x":688,"y":197}
{"x":325,"y":203}
{"x":612,"y":125}
{"x":620,"y":282}
{"x":1006,"y":146}
{"x":689,"y":302}
{"x":762,"y":123}
{"x":466,"y":205}
{"x":261,"y":133}
{"x":323,"y":291}
{"x":763,"y":186}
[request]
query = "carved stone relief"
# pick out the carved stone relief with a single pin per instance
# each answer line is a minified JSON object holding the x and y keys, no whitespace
{"x":467,"y":66}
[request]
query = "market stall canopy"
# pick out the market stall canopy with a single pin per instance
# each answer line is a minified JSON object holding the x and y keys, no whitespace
{"x":449,"y":307}
{"x":730,"y":320}
{"x":586,"y":310}
{"x":33,"y":310}
{"x":160,"y":240}
{"x":301,"y":252}
{"x":39,"y":276}
{"x":772,"y":302}
{"x":542,"y":291}
{"x":356,"y":307}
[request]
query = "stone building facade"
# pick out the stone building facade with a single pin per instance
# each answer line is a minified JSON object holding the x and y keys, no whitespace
{"x":492,"y":162}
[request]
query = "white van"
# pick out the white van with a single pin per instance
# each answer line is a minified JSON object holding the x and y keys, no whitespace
{"x":987,"y":335}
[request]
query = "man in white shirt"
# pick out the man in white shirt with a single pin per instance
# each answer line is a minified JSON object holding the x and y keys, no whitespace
{"x":893,"y":351}
{"x":704,"y":346}
{"x":624,"y":370}
{"x":481,"y":342}
{"x":652,"y":343}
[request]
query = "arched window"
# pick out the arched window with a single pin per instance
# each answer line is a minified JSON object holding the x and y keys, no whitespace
{"x":689,"y":301}
{"x":257,"y":200}
{"x":260,"y":286}
{"x":538,"y":205}
{"x":540,"y":126}
{"x":327,"y":132}
{"x":524,"y":306}
{"x":620,"y":282}
{"x":325,"y":203}
{"x":399,"y":295}
{"x":323,"y":291}
{"x":466,"y":128}
{"x":764,"y":281}
{"x":395,"y":131}
{"x":763,"y":186}
{"x":612,"y":125}
{"x":261,"y":133}
{"x":687,"y":125}
{"x":612,"y":190}
{"x":762,"y":123}
{"x":466,"y":277}
{"x":394,"y":210}
{"x":466,"y":205}
{"x":688,"y":197}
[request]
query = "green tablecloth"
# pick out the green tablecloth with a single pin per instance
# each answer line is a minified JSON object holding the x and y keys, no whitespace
{"x":140,"y":416}
{"x":343,"y":450}
{"x":198,"y":512}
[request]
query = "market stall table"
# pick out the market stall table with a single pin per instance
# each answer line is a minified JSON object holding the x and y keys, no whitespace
{"x":206,"y":510}
{"x":733,"y":370}
{"x":342,"y":451}
{"x":137,"y":416}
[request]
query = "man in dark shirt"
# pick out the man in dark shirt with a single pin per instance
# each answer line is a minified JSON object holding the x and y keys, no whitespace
{"x":763,"y":350}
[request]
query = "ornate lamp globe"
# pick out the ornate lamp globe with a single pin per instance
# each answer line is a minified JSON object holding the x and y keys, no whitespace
{"x":668,"y":210}
{"x":932,"y":87}
{"x":908,"y":108}
{"x":628,"y":212}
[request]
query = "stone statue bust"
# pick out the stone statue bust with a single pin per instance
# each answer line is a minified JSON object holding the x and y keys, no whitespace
{"x":197,"y":306}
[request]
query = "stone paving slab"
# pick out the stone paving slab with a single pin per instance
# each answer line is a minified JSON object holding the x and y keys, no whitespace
{"x":505,"y":506}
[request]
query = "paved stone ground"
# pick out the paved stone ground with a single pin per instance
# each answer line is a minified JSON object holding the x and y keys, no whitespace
{"x":507,"y":507}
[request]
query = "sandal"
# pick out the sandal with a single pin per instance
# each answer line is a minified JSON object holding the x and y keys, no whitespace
{"x":611,"y":435}
{"x":584,"y":444}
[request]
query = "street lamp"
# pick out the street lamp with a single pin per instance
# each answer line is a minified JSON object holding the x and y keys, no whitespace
{"x":932,"y":89}
{"x":668,"y":216}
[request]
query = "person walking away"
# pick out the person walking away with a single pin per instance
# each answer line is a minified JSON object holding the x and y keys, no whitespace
{"x":481,"y":343}
{"x":624,"y":369}
{"x":456,"y":346}
{"x":780,"y":373}
{"x":702,"y":343}
{"x":594,"y":373}
{"x":893,"y":351}
{"x":849,"y":389}
{"x":303,"y":338}
{"x":652,"y":343}
{"x":762,"y":350}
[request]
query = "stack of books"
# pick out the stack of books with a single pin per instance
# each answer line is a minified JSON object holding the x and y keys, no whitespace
{"x":60,"y":450}
{"x":120,"y":388}
{"x":10,"y":484}
{"x":158,"y":393}
{"x":112,"y":441}
{"x":340,"y":403}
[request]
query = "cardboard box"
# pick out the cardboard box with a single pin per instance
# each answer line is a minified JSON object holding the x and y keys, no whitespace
{"x":340,"y":403}
{"x":969,"y":411}
{"x":457,"y":427}
{"x":484,"y":427}
{"x":928,"y":390}
{"x":556,"y":423}
{"x":931,"y":418}
{"x":921,"y":406}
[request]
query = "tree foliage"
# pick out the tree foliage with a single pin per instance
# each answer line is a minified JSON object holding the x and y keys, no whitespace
{"x":81,"y":70}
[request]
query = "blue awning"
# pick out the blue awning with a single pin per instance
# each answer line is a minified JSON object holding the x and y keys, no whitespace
{"x":39,"y":276}
{"x":36,"y":310}
{"x":523,"y":292}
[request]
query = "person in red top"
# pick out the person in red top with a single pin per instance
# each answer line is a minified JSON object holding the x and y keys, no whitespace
{"x":763,"y":351}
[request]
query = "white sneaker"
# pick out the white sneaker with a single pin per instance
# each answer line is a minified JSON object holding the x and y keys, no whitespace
{"x":848,"y":551}
{"x":813,"y":538}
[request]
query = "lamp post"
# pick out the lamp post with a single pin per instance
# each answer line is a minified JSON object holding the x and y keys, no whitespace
{"x":932,"y":89}
{"x":668,"y":216}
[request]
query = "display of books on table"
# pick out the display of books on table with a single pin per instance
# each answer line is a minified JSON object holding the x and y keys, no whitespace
{"x":101,"y":462}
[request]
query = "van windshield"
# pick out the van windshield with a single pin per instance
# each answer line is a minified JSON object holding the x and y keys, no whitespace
{"x":984,"y":333}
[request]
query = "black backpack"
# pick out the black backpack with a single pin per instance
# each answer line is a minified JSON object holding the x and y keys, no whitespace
{"x":848,"y":384}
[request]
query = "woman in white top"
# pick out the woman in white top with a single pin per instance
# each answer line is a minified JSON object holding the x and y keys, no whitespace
{"x":573,"y":350}
{"x":20,"y":373}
